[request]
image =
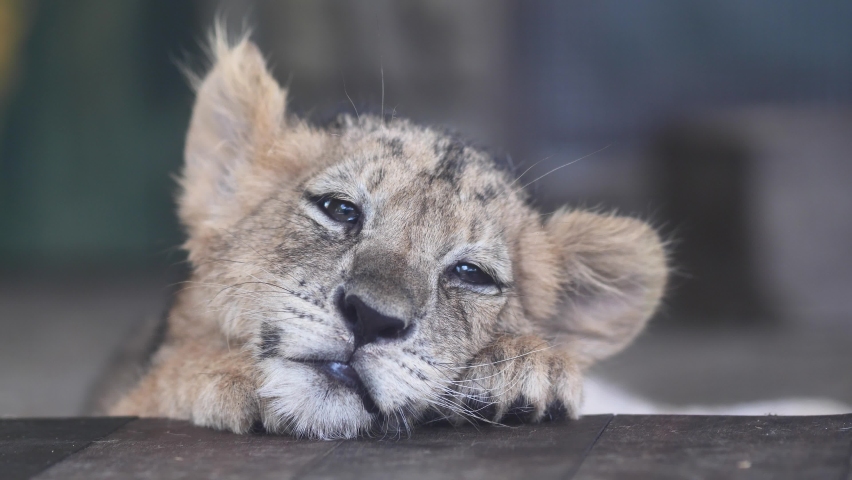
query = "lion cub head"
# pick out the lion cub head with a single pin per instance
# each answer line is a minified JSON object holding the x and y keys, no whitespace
{"x":366,"y":263}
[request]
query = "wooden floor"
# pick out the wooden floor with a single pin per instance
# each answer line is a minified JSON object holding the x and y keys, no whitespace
{"x":595,"y":447}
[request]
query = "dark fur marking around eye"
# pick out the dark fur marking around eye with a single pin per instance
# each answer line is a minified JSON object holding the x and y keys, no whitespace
{"x":270,"y":337}
{"x":326,"y":239}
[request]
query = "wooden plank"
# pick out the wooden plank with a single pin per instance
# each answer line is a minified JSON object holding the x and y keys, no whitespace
{"x":542,"y":451}
{"x":28,"y":446}
{"x":708,"y":447}
{"x":656,"y":447}
{"x":161,"y":449}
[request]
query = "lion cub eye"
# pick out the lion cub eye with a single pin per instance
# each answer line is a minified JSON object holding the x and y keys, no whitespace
{"x":472,"y":274}
{"x":340,"y":210}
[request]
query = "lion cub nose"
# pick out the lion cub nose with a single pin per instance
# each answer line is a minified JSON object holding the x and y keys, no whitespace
{"x":369,"y":324}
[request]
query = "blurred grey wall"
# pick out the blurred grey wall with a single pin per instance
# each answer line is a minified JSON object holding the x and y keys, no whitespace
{"x":647,"y":107}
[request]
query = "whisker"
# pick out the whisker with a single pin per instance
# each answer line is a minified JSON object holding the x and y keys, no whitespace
{"x":350,"y":98}
{"x":548,"y":347}
{"x":530,"y":168}
{"x":566,"y":165}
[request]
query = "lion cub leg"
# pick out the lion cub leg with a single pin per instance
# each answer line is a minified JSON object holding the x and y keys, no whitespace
{"x":522,"y":376}
{"x":206,"y":384}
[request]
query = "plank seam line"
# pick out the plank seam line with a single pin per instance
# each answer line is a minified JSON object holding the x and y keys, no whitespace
{"x":591,"y":446}
{"x":315,"y":462}
{"x":83,"y":447}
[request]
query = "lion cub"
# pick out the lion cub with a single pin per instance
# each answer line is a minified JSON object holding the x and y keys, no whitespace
{"x":374,"y":275}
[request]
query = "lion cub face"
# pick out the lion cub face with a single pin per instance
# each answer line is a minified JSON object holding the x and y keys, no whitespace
{"x":367,"y":285}
{"x":368,"y":263}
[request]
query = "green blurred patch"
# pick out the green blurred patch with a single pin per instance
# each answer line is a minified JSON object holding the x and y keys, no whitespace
{"x":12,"y":24}
{"x":92,"y":131}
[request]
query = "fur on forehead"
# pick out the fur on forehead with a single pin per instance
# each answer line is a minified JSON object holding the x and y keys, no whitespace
{"x":422,"y":180}
{"x":401,"y":147}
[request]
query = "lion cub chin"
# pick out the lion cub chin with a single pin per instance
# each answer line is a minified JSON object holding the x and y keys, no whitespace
{"x":371,"y":275}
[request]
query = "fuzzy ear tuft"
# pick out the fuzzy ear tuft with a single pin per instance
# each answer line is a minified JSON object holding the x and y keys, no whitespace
{"x":238,"y":112}
{"x":613,"y":274}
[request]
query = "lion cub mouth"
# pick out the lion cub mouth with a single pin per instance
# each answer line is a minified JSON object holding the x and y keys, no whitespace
{"x":343,"y":374}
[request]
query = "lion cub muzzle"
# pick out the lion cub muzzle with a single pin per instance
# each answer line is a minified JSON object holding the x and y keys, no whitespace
{"x":369,"y":324}
{"x":382,"y":297}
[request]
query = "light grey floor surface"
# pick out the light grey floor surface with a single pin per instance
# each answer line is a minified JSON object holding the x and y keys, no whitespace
{"x":58,"y":334}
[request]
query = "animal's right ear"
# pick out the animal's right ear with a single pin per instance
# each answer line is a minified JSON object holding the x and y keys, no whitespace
{"x":592,"y":281}
{"x":237,"y":147}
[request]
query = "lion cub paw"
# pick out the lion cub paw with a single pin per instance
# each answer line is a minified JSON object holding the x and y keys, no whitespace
{"x":227,"y":403}
{"x":521,"y":378}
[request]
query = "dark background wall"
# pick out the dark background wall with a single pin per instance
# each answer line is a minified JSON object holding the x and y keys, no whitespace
{"x":92,"y":128}
{"x":94,"y":111}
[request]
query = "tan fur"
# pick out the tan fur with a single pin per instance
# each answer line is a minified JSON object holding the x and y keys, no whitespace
{"x":270,"y":270}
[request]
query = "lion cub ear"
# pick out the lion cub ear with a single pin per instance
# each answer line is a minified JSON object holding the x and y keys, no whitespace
{"x":611,"y":274}
{"x":232,"y":153}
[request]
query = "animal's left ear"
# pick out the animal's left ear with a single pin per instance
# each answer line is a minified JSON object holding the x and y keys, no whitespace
{"x":597,"y":279}
{"x":240,"y":140}
{"x":238,"y":112}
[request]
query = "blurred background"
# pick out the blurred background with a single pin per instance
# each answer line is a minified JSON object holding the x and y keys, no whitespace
{"x":726,"y":124}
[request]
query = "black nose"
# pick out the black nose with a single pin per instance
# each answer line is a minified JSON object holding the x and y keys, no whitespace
{"x":369,"y":324}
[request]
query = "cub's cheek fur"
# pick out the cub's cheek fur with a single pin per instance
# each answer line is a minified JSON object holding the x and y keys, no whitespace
{"x":581,"y":285}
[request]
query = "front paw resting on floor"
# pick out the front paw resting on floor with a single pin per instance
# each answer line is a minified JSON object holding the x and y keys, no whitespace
{"x":227,"y":402}
{"x":520,"y":378}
